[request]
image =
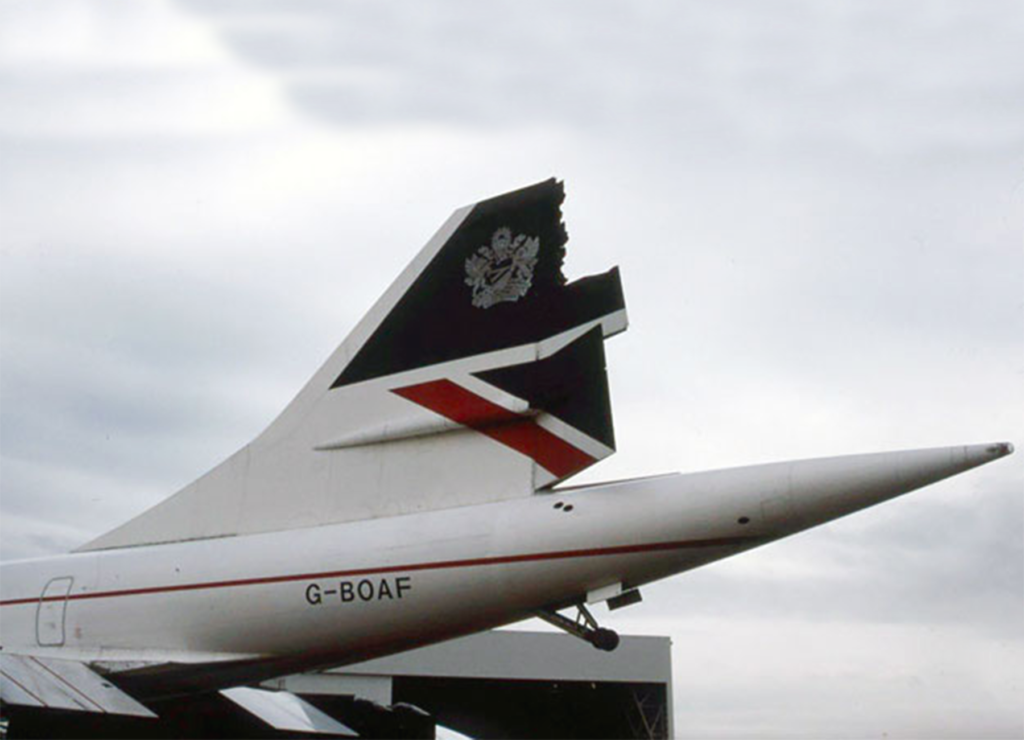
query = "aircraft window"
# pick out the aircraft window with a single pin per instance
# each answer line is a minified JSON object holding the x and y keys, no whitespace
{"x":559,"y":505}
{"x":568,"y":508}
{"x":744,"y":520}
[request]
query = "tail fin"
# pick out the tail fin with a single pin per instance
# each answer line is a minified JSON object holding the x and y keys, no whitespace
{"x":478,"y":376}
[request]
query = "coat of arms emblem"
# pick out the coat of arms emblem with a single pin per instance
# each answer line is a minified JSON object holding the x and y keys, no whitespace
{"x":502,"y":271}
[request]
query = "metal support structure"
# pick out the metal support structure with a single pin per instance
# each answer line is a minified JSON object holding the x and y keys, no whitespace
{"x":584,"y":627}
{"x":648,"y":720}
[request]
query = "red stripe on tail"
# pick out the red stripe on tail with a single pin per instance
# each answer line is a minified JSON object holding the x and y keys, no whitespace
{"x":522,"y":434}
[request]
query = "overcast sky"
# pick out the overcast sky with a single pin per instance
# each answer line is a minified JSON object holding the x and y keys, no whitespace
{"x":817,"y":208}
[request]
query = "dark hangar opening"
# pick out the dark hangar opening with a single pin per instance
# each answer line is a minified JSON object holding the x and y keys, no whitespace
{"x":501,"y":708}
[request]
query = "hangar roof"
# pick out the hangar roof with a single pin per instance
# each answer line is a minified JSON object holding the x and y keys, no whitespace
{"x":508,"y":654}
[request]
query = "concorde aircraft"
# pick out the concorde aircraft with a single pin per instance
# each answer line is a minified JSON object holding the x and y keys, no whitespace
{"x":410,"y":494}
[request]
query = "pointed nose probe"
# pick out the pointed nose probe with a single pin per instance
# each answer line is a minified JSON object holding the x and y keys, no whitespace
{"x":995,"y":450}
{"x":921,"y":467}
{"x":931,"y":465}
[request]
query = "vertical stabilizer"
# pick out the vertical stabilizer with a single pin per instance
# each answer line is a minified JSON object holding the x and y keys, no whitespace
{"x":478,"y":376}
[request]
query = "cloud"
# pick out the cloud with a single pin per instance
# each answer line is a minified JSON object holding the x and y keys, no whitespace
{"x":816,"y":209}
{"x":796,"y":75}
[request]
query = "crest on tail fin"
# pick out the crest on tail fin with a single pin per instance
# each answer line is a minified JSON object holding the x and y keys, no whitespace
{"x":504,"y":270}
{"x":480,"y":358}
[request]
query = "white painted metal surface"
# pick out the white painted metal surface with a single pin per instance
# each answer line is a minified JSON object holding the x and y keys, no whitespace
{"x":62,"y":684}
{"x":604,"y":593}
{"x":286,"y":712}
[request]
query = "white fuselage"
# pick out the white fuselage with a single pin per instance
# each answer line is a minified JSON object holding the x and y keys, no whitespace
{"x":347,"y":592}
{"x":371,"y":587}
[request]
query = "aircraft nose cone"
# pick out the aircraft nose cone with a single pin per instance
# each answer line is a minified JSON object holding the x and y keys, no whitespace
{"x":827,"y":488}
